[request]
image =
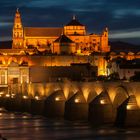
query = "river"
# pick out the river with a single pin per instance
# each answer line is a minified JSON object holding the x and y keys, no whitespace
{"x":20,"y":126}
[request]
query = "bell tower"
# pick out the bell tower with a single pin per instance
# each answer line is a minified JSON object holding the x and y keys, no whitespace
{"x":17,"y":32}
{"x":104,"y":41}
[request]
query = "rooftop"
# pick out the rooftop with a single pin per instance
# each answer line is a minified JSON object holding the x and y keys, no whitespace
{"x":74,"y":22}
{"x":42,"y":32}
{"x":63,"y":39}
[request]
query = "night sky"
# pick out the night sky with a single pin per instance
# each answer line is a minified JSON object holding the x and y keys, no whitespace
{"x":122,"y":17}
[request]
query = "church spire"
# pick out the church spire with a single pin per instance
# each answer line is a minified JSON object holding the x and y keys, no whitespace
{"x":17,"y":10}
{"x":17,"y":31}
{"x":74,"y":17}
{"x":17,"y":21}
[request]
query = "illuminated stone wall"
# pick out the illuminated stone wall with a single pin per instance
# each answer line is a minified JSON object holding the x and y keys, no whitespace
{"x":14,"y":74}
{"x":70,"y":30}
{"x":56,"y":60}
{"x":118,"y":91}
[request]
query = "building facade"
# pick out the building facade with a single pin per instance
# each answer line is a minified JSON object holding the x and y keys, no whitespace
{"x":45,"y":38}
{"x":52,"y":50}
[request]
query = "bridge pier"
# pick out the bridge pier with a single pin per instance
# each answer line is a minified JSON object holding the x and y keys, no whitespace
{"x":37,"y":106}
{"x":76,"y":108}
{"x":101,"y":109}
{"x":8,"y":103}
{"x":54,"y":105}
{"x":128,"y":113}
{"x":2,"y":101}
{"x":25,"y":105}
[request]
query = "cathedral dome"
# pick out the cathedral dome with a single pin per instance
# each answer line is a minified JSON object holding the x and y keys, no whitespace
{"x":74,"y":22}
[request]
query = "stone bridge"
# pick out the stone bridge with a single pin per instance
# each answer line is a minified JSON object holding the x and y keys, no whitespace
{"x":99,"y":102}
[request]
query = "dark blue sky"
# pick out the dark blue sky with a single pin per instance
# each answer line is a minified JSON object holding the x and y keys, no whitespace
{"x":122,"y":17}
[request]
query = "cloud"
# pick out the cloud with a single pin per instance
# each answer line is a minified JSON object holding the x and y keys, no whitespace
{"x":133,"y":33}
{"x":43,"y":3}
{"x":4,"y":24}
{"x":121,"y":15}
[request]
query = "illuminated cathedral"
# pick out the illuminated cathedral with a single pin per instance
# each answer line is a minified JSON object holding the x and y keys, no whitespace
{"x":70,"y":39}
{"x":41,"y":53}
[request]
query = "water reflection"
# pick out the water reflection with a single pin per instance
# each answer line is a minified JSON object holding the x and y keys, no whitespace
{"x":16,"y":126}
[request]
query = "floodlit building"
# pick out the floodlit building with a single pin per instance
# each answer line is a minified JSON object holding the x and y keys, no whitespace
{"x":73,"y":35}
{"x":52,"y":50}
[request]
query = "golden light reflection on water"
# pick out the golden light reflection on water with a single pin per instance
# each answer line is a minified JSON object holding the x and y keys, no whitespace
{"x":12,"y":116}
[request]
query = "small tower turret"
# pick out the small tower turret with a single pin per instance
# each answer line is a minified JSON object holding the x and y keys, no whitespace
{"x":104,"y":41}
{"x":17,"y":32}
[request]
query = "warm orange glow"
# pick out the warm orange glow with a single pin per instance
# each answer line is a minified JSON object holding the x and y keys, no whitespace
{"x":98,"y":89}
{"x":69,"y":30}
{"x":77,"y":100}
{"x":3,"y":60}
{"x":25,"y":97}
{"x":66,"y":90}
{"x":7,"y":95}
{"x":37,"y":97}
{"x":131,"y":107}
{"x":12,"y":59}
{"x":102,"y":102}
{"x":57,"y":99}
{"x":79,"y":52}
{"x":13,"y":96}
{"x":102,"y":66}
{"x":1,"y":93}
{"x":82,"y":43}
{"x":24,"y":59}
{"x":86,"y":92}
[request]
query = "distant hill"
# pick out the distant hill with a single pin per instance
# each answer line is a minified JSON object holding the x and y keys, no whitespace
{"x":5,"y":44}
{"x":120,"y":46}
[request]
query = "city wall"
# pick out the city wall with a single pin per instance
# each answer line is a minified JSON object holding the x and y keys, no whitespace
{"x":56,"y":60}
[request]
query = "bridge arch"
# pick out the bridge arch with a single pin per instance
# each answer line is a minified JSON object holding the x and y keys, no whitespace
{"x":92,"y":94}
{"x":78,"y":97}
{"x":122,"y":93}
{"x":76,"y":108}
{"x":55,"y":104}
